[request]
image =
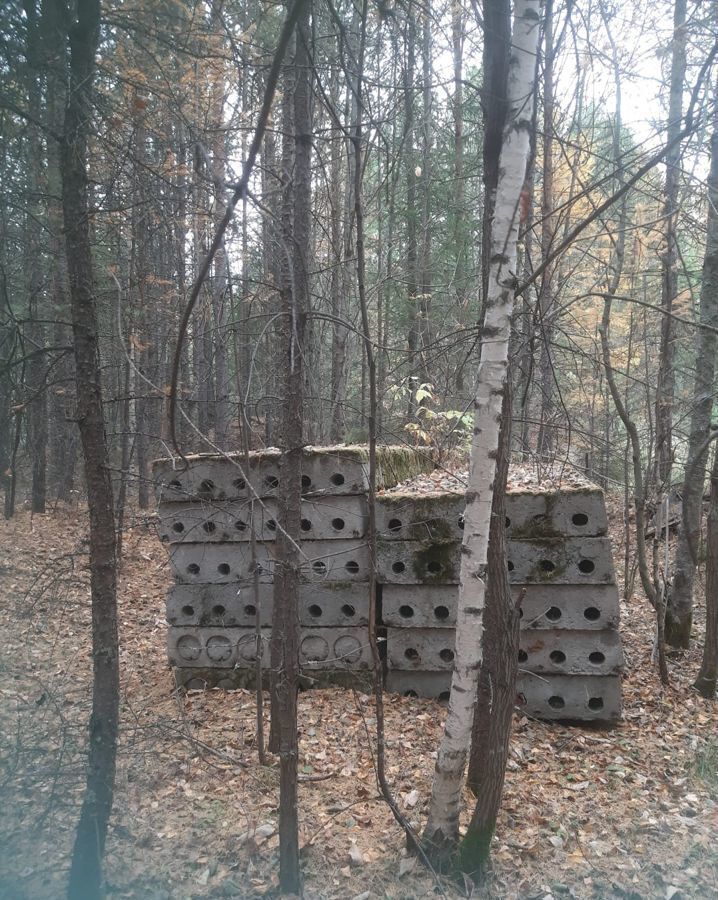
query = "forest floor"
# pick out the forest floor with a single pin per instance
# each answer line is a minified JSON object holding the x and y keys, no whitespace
{"x":587,"y":813}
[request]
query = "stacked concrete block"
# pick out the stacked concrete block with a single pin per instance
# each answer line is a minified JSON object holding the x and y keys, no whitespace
{"x":220,"y":519}
{"x":570,"y":655}
{"x":210,"y":510}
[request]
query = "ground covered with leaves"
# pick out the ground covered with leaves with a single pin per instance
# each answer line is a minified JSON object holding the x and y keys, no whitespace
{"x":631,"y":812}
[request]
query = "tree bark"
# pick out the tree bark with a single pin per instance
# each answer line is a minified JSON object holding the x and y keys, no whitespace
{"x":708,"y":675}
{"x":679,"y":614}
{"x":442,"y":829}
{"x":86,"y":868}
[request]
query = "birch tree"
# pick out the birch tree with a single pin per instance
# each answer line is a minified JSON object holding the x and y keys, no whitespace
{"x":442,"y":830}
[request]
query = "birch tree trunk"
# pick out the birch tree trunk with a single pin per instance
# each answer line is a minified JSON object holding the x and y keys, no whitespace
{"x":442,"y":830}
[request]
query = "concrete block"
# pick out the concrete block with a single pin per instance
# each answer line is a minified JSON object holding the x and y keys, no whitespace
{"x":434,"y":685}
{"x":555,"y":697}
{"x":564,"y":697}
{"x":418,"y":562}
{"x":333,"y":603}
{"x":334,"y":648}
{"x":555,"y":561}
{"x":574,"y":512}
{"x":325,"y":470}
{"x":220,"y":521}
{"x":570,"y":512}
{"x":419,"y":605}
{"x":219,"y":605}
{"x":569,"y":606}
{"x":561,"y":606}
{"x":570,"y":652}
{"x":420,"y":517}
{"x":245,"y":679}
{"x":208,"y":563}
{"x":420,"y":649}
{"x":216,"y":648}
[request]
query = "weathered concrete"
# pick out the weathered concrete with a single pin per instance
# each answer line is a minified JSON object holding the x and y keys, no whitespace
{"x":420,"y":649}
{"x":547,"y":651}
{"x":222,"y":521}
{"x":208,"y":563}
{"x":570,"y":561}
{"x":419,"y":605}
{"x":557,"y":697}
{"x":326,"y":470}
{"x":529,"y":515}
{"x":228,"y":605}
{"x":223,"y":648}
{"x":231,"y":679}
{"x":570,"y":652}
{"x":589,"y":698}
{"x":569,"y":606}
{"x":561,"y":606}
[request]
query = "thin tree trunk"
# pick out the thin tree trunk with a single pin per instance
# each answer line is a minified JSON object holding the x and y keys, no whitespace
{"x":86,"y":869}
{"x":669,"y":273}
{"x":679,"y":614}
{"x":708,"y":675}
{"x":442,"y":829}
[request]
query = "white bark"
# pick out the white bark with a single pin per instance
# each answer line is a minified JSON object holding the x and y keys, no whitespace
{"x":442,"y":830}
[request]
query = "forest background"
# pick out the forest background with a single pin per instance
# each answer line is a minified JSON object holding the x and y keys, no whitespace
{"x":143,"y":205}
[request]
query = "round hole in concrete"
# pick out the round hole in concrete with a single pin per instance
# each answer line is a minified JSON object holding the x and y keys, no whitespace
{"x":223,"y":568}
{"x":188,"y":610}
{"x":510,"y":566}
{"x":398,"y":567}
{"x":315,"y":611}
{"x":586,"y":566}
{"x":306,"y":525}
{"x":271,"y":482}
{"x":592,"y":613}
{"x":206,"y":488}
{"x":579,"y":519}
{"x":523,"y":656}
{"x":175,"y":485}
{"x":508,"y":522}
{"x":319,"y":567}
{"x":306,"y":482}
{"x":250,"y":610}
{"x":553,"y":614}
{"x":441,"y":612}
{"x":189,"y":647}
{"x":178,"y":527}
{"x":352,"y":567}
{"x":461,"y":522}
{"x":444,"y":697}
{"x":193,"y":569}
{"x":595,"y":703}
{"x":597,"y":657}
{"x":348,"y":610}
{"x":406,"y":611}
{"x":240,"y":525}
{"x":434,"y":567}
{"x":209,"y":527}
{"x":446,"y":654}
{"x":219,"y":648}
{"x":546,"y":566}
{"x":218,"y":610}
{"x":337,"y":479}
{"x":239,"y":483}
{"x":271,"y":525}
{"x":558,"y":657}
{"x":556,"y":702}
{"x":338,"y":524}
{"x":411,"y":653}
{"x":521,"y":614}
{"x":394,"y":525}
{"x":410,"y":693}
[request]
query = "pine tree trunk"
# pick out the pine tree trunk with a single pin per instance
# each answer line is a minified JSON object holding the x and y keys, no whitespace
{"x":442,"y":829}
{"x":708,"y":676}
{"x":86,"y":869}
